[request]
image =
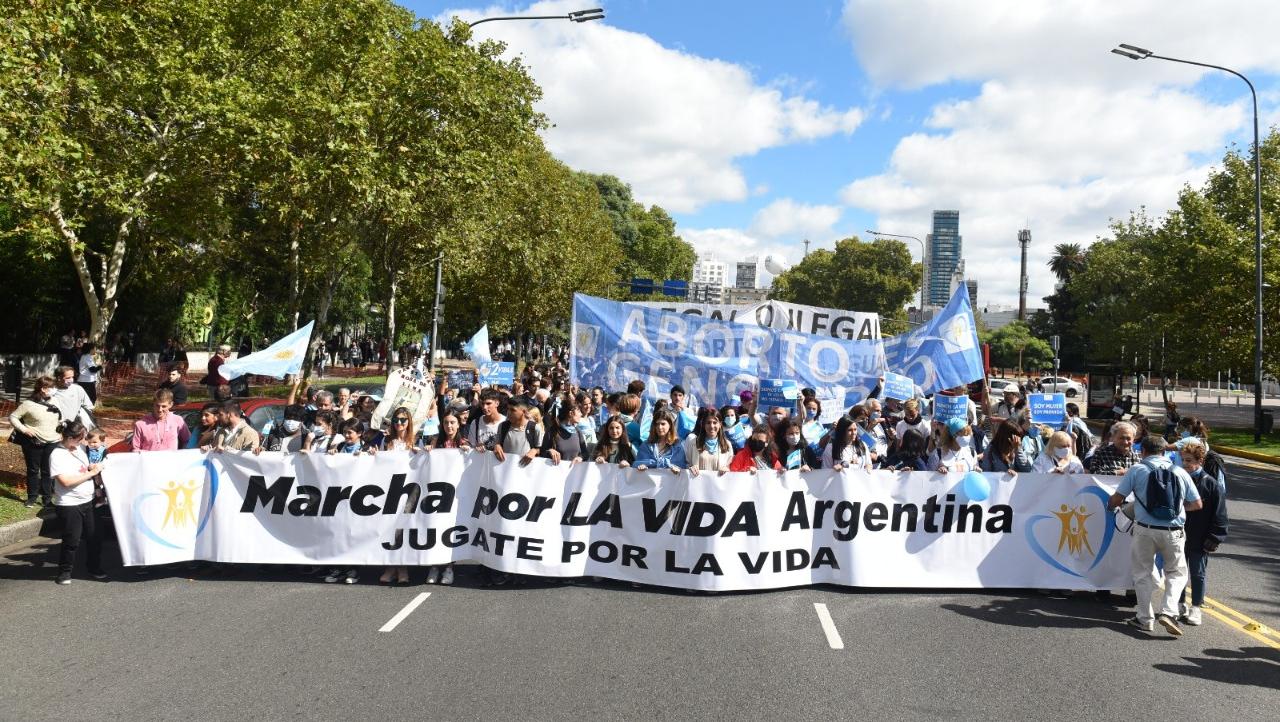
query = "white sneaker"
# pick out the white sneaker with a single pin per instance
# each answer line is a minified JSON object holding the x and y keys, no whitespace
{"x":1192,"y":617}
{"x":333,"y":576}
{"x":433,"y":575}
{"x":446,"y":576}
{"x":350,"y":577}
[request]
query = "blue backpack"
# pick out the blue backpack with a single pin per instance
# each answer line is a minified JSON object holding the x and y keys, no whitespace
{"x":1163,"y":494}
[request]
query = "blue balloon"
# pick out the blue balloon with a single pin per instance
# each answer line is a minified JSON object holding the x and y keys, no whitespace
{"x":976,"y":486}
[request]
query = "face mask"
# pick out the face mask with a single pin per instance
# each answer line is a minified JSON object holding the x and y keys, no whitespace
{"x":793,"y":439}
{"x":966,"y":440}
{"x":810,"y":414}
{"x":292,"y":425}
{"x":730,"y":420}
{"x":317,"y":430}
{"x":1062,"y":452}
{"x":875,"y":415}
{"x":1184,"y":434}
{"x":756,"y":445}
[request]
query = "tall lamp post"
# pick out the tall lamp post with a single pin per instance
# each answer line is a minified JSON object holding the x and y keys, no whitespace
{"x":577,"y":16}
{"x":924,"y":266}
{"x":1135,"y":53}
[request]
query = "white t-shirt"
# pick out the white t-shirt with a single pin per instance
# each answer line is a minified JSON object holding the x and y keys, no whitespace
{"x":1046,"y":462}
{"x":921,"y":425}
{"x":962,"y":460}
{"x":87,"y":376}
{"x":481,"y":434}
{"x":62,"y":462}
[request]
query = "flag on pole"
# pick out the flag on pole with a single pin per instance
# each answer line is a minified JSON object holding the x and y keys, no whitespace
{"x":278,"y":360}
{"x":478,"y":347}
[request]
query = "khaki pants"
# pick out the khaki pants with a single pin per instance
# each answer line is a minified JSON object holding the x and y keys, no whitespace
{"x":1169,"y":544}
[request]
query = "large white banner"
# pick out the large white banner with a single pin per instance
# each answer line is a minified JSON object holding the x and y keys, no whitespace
{"x":783,"y":316}
{"x":721,"y":532}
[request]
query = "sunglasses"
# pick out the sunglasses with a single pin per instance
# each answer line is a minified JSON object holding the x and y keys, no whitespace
{"x":400,"y":421}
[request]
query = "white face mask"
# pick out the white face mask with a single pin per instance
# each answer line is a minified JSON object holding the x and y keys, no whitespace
{"x":966,"y":440}
{"x":793,"y":439}
{"x":292,"y":425}
{"x":1062,"y":452}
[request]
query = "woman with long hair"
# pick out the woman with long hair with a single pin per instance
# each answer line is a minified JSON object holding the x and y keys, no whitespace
{"x":662,"y":450}
{"x":614,"y":447}
{"x":794,"y":450}
{"x":846,"y":449}
{"x":708,"y":448}
{"x":759,"y":453}
{"x":1005,"y":452}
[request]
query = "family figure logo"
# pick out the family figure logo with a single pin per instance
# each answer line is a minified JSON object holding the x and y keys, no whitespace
{"x":180,"y":520}
{"x":1073,"y":552}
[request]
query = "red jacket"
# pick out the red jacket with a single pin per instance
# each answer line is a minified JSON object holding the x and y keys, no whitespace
{"x":744,"y":460}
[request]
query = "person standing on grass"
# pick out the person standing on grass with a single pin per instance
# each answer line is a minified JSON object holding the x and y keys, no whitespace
{"x":70,"y":397}
{"x":160,"y":430}
{"x":35,"y":421}
{"x":89,"y":366}
{"x":69,"y":465}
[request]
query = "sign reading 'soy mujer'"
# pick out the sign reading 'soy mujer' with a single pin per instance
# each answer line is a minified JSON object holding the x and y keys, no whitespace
{"x":706,"y":531}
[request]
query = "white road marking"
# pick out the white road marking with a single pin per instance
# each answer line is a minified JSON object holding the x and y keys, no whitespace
{"x":828,"y":626}
{"x":408,"y":609}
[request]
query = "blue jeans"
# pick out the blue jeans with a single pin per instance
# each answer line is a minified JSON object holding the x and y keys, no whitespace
{"x":1197,"y":563}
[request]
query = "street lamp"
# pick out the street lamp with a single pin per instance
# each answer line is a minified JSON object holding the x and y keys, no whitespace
{"x":924,"y":266}
{"x":1135,"y":53}
{"x":577,"y":16}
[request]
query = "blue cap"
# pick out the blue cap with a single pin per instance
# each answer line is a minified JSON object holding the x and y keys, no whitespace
{"x":955,"y":426}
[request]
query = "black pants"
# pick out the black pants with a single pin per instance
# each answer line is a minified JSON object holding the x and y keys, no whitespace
{"x":90,"y":390}
{"x":39,"y":483}
{"x":79,"y":522}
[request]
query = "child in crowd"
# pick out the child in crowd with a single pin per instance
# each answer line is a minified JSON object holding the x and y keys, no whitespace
{"x":96,"y":451}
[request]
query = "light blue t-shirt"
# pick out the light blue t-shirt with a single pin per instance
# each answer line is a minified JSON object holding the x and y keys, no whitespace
{"x":1135,"y":482}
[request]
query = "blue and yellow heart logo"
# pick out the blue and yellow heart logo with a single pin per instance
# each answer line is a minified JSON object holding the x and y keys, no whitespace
{"x":1078,"y":533}
{"x":174,"y":505}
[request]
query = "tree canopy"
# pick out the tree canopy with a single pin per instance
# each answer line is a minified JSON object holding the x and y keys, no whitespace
{"x":877,"y":276}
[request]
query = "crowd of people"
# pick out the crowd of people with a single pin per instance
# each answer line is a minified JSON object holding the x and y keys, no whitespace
{"x":542,"y":415}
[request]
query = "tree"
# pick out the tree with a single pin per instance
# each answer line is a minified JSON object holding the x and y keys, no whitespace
{"x":117,"y":112}
{"x":1067,"y":260}
{"x":1013,"y":346}
{"x":874,"y":277}
{"x":650,"y":247}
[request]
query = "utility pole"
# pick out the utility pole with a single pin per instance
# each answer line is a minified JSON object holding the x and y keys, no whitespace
{"x":1024,"y":240}
{"x":806,"y":248}
{"x":435,"y":314}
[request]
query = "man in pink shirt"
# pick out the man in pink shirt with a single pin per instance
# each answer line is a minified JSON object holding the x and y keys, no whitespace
{"x":160,"y":430}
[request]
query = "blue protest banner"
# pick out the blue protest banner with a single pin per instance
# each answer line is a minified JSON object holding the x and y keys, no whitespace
{"x":950,"y":407}
{"x":497,"y":373}
{"x":613,"y":344}
{"x":942,"y":354}
{"x":778,"y":392}
{"x":897,"y":386}
{"x":1047,"y":408}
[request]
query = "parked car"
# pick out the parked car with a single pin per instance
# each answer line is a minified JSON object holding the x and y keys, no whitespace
{"x":998,"y":387}
{"x":1062,"y":385}
{"x":260,"y":413}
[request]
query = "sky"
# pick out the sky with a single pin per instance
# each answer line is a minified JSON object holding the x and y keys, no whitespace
{"x":759,"y":125}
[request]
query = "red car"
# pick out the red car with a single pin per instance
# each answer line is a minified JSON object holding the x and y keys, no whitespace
{"x":260,"y":413}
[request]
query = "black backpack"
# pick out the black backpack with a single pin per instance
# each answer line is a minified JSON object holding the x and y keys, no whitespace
{"x":1163,"y":494}
{"x":1214,"y":465}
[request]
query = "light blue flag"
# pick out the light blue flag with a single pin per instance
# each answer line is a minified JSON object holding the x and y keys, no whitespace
{"x":478,"y":347}
{"x":941,"y":354}
{"x":280,"y":359}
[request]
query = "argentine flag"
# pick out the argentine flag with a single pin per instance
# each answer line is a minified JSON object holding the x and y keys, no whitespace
{"x":478,"y":347}
{"x":278,"y":360}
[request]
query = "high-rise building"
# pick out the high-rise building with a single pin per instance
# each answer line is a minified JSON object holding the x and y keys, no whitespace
{"x":709,"y":270}
{"x":943,"y":254}
{"x":746,"y":274}
{"x":973,"y":291}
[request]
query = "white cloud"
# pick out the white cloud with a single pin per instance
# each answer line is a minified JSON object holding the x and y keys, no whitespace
{"x":1063,"y":135}
{"x":670,"y":123}
{"x":787,"y":218}
{"x":1061,"y":160}
{"x":915,"y":43}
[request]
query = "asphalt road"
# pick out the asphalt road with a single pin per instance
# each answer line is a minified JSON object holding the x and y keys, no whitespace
{"x":275,"y":645}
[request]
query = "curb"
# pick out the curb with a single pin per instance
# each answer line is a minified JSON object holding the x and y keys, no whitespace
{"x":1245,"y":454}
{"x":21,"y":531}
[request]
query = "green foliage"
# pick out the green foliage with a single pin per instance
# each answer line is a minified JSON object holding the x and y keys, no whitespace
{"x":877,"y":276}
{"x":647,"y":237}
{"x":1014,"y":346}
